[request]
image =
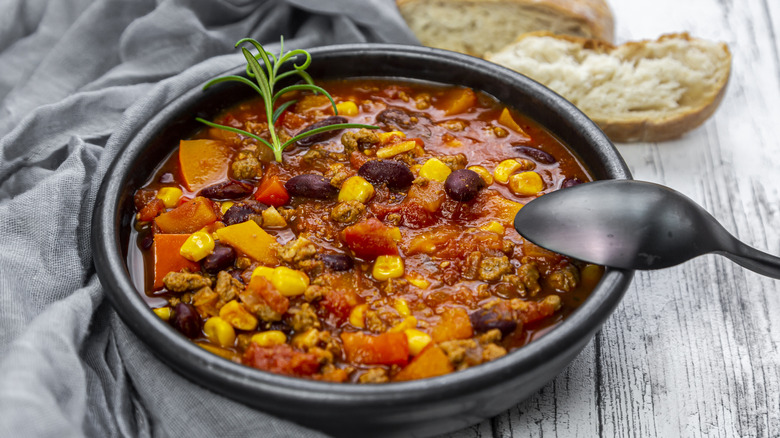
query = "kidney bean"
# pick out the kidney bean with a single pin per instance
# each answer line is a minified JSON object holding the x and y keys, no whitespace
{"x":227,"y":190}
{"x":570,"y":182}
{"x":221,"y":257}
{"x":186,"y":320}
{"x":321,"y":136}
{"x":243,"y":212}
{"x":536,"y":154}
{"x":310,"y":185}
{"x":393,"y":173}
{"x":395,"y":117}
{"x":336,"y":262}
{"x":487,"y":319}
{"x":147,"y":241}
{"x":463,"y":185}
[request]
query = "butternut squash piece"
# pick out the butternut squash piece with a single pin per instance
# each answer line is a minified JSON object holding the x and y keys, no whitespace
{"x":167,"y":258}
{"x":188,"y":217}
{"x":203,"y":162}
{"x":454,"y":324}
{"x":507,"y":120}
{"x":248,"y":238}
{"x":431,"y":362}
{"x":385,"y":349}
{"x":461,"y":101}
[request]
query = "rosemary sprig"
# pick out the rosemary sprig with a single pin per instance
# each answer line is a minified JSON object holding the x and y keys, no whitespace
{"x":266,"y":81}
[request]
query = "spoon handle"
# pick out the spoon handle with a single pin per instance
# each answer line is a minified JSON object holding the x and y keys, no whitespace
{"x":753,"y":259}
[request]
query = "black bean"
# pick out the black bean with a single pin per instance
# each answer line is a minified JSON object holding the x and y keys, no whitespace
{"x":186,"y":320}
{"x":393,"y":173}
{"x":484,"y":320}
{"x":311,"y":185}
{"x":320,"y":136}
{"x":147,"y":241}
{"x":571,"y":182}
{"x":243,"y":212}
{"x":336,"y":262}
{"x":463,"y":185}
{"x":394,"y":117}
{"x":222,"y":257}
{"x":227,"y":190}
{"x":536,"y":154}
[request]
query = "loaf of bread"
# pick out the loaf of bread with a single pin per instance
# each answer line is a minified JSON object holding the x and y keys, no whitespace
{"x":475,"y":27}
{"x":638,"y":91}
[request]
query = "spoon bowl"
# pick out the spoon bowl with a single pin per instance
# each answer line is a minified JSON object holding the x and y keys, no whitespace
{"x":632,"y":224}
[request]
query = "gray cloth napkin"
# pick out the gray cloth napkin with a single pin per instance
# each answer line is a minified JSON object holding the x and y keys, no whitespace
{"x":72,"y":73}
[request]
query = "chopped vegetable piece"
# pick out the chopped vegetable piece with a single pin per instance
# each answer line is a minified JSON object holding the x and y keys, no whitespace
{"x":417,"y":340}
{"x":237,"y":316}
{"x":370,"y":239}
{"x":188,"y":217}
{"x":167,"y":258}
{"x":454,"y":324}
{"x":507,"y":120}
{"x":272,"y":192}
{"x":169,"y":196}
{"x":387,"y":267}
{"x":197,"y":246}
{"x":435,"y":169}
{"x":203,"y":162}
{"x":431,"y":362}
{"x":384,"y":349}
{"x":219,"y":331}
{"x":460,"y":101}
{"x":526,"y":183}
{"x":281,"y":359}
{"x":248,"y":238}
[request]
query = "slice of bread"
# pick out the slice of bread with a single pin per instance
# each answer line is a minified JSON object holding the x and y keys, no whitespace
{"x":638,"y":91}
{"x":475,"y":27}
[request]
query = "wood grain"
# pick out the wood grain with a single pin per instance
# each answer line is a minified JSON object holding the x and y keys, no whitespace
{"x":694,"y":350}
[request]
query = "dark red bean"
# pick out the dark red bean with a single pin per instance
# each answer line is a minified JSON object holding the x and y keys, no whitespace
{"x":321,"y":136}
{"x":571,"y":182}
{"x":231,"y":189}
{"x":222,"y":257}
{"x":393,"y":173}
{"x":147,"y":241}
{"x":536,"y":154}
{"x":311,"y":185}
{"x":463,"y":185}
{"x":186,"y":320}
{"x":484,"y":320}
{"x":336,"y":262}
{"x":243,"y":212}
{"x":395,"y":118}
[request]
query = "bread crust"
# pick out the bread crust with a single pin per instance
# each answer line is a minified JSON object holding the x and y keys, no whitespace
{"x":666,"y":126}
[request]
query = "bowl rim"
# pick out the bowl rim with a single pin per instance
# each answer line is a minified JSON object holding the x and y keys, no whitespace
{"x":196,"y":363}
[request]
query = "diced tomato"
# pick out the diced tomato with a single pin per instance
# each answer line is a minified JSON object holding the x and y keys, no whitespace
{"x":281,"y":359}
{"x":167,"y":258}
{"x":370,"y":239}
{"x":151,"y":210}
{"x":357,"y":159}
{"x":291,"y":121}
{"x":390,"y":348}
{"x":260,"y":287}
{"x":272,"y":192}
{"x":454,"y":324}
{"x":340,"y":302}
{"x":188,"y":217}
{"x":431,"y":362}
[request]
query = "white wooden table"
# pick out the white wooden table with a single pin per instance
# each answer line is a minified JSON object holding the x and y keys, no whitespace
{"x":692,"y":350}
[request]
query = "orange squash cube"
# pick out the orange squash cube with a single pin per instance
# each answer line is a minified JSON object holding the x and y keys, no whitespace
{"x":248,"y":238}
{"x":203,"y":162}
{"x":188,"y":217}
{"x":454,"y":324}
{"x":167,"y":258}
{"x":385,"y":349}
{"x":431,"y":362}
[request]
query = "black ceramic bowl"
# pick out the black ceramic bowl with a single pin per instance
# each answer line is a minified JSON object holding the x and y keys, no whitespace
{"x":417,"y":408}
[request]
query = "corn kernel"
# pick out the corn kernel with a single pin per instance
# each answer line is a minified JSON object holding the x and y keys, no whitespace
{"x":417,"y":340}
{"x":269,"y":338}
{"x":219,"y":331}
{"x":526,"y":183}
{"x":493,"y":227}
{"x":417,"y":280}
{"x":408,"y":323}
{"x":272,"y":218}
{"x":357,"y":316}
{"x":402,"y":307}
{"x":289,"y":282}
{"x":505,"y":169}
{"x":163,"y":312}
{"x":387,"y":267}
{"x":356,"y":188}
{"x":197,"y":246}
{"x":169,"y":196}
{"x":435,"y":169}
{"x":483,"y":173}
{"x":225,"y":206}
{"x":347,"y":108}
{"x":386,"y":137}
{"x":236,"y":315}
{"x":263,"y":271}
{"x":307,"y":339}
{"x":396,"y":149}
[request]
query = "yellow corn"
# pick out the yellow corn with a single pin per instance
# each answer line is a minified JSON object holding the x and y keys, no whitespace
{"x":357,"y":316}
{"x":505,"y":169}
{"x":396,"y":149}
{"x":219,"y":331}
{"x":225,"y":206}
{"x":356,"y":188}
{"x":417,"y":340}
{"x":289,"y":282}
{"x":387,"y":267}
{"x":264,"y":271}
{"x":417,"y":280}
{"x":163,"y":312}
{"x":408,"y":323}
{"x":526,"y":183}
{"x":269,"y":338}
{"x":493,"y":227}
{"x":385,"y":137}
{"x":272,"y":218}
{"x":435,"y":169}
{"x":236,"y":315}
{"x":402,"y":307}
{"x":169,"y":196}
{"x":307,"y":339}
{"x":197,"y":246}
{"x":483,"y":173}
{"x":347,"y":108}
